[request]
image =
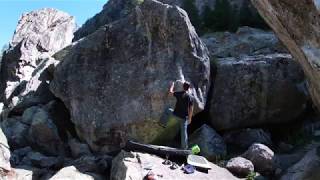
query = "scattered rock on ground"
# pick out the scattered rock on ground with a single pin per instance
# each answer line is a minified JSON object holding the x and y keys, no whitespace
{"x":262,"y":158}
{"x":307,"y":168}
{"x":210,"y":142}
{"x":240,"y":166}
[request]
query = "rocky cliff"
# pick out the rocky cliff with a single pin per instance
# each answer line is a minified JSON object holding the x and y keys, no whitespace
{"x":38,"y":36}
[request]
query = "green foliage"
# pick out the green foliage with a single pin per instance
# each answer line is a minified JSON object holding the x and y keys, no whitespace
{"x":249,"y":18}
{"x":193,"y":13}
{"x":5,"y":47}
{"x":221,"y":16}
{"x":138,"y":2}
{"x":251,"y":176}
{"x":299,"y":139}
{"x":224,"y":17}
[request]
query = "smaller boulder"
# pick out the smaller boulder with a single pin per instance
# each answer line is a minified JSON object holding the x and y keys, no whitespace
{"x":78,"y":149}
{"x":262,"y":158}
{"x":285,"y":147}
{"x":23,"y":174}
{"x":306,"y":168}
{"x":240,"y":166}
{"x":16,"y":131}
{"x":93,"y":164}
{"x":18,"y":155}
{"x":4,"y":153}
{"x":244,"y":138}
{"x":39,"y":160}
{"x":43,"y":133}
{"x":209,"y":141}
{"x":28,"y":114}
{"x":71,"y":173}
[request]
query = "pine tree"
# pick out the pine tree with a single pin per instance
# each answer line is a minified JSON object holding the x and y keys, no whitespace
{"x":222,"y":16}
{"x":251,"y":19}
{"x":193,"y":13}
{"x":207,"y":19}
{"x":5,"y":47}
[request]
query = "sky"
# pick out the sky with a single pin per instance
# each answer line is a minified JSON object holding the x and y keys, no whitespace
{"x":11,"y":10}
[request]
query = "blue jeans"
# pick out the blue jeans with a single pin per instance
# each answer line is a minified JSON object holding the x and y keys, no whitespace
{"x":183,"y":126}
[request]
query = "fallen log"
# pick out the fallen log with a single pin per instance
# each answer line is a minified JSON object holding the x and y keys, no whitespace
{"x":156,"y":150}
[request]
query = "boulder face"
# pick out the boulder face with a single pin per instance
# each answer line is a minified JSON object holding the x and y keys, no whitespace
{"x":296,"y":23}
{"x":246,"y":41}
{"x":39,"y":35}
{"x":128,"y":66}
{"x":256,"y":90}
{"x":112,"y":11}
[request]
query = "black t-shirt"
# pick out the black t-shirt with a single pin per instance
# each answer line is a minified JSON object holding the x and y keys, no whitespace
{"x":184,"y":100}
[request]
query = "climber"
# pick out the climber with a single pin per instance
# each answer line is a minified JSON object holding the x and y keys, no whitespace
{"x":183,"y":110}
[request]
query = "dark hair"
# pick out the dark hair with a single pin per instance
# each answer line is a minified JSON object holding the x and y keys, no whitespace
{"x":186,"y":86}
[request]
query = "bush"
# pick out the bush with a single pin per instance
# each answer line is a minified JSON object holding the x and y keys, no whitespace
{"x":251,"y":176}
{"x":138,"y":2}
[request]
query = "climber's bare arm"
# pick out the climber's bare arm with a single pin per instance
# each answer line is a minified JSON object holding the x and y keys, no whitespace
{"x":171,"y":90}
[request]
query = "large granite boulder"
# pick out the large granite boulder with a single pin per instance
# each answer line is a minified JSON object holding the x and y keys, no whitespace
{"x":134,"y":166}
{"x":296,"y":24}
{"x":39,"y":35}
{"x":246,"y":41}
{"x":115,"y":81}
{"x":256,"y":90}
